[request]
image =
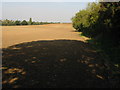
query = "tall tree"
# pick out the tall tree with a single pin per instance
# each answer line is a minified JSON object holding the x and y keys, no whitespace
{"x":30,"y":21}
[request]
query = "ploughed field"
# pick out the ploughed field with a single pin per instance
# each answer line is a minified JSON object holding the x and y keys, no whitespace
{"x":18,"y":34}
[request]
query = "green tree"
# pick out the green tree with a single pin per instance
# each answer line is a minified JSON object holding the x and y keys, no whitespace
{"x":24,"y":22}
{"x":8,"y":22}
{"x":30,"y":21}
{"x":101,"y":22}
{"x":17,"y":22}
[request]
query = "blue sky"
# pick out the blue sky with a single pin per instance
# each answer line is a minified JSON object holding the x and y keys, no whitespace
{"x":48,"y":0}
{"x":41,"y":11}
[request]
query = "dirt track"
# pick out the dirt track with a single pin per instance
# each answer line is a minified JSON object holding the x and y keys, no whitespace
{"x":18,"y":34}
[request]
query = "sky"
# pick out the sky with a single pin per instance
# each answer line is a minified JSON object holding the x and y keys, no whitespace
{"x":52,"y":11}
{"x":47,"y":0}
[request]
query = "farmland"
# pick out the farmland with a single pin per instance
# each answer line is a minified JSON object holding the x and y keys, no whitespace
{"x":12,"y":35}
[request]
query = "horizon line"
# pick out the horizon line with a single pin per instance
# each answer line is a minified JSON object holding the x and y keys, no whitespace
{"x":38,"y":21}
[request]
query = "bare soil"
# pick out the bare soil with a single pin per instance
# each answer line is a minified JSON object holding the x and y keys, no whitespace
{"x":12,"y":35}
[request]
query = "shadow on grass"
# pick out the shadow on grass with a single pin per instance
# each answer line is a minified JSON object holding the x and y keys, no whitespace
{"x":107,"y":47}
{"x":54,"y":64}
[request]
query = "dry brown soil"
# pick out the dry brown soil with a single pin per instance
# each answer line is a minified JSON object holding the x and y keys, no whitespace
{"x":12,"y":35}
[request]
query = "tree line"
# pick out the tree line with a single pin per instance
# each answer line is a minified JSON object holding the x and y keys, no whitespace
{"x":101,"y":22}
{"x":7,"y":22}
